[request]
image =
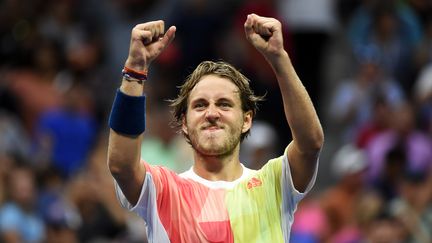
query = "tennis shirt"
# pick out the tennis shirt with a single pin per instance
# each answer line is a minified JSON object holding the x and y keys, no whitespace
{"x":257,"y":207}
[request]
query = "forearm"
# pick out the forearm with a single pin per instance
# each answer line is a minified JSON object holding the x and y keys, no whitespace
{"x":148,"y":40}
{"x":299,"y":110}
{"x":124,"y":151}
{"x":266,"y":35}
{"x":123,"y":154}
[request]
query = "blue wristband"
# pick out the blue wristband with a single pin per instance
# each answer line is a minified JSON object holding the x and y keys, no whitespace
{"x":128,"y":114}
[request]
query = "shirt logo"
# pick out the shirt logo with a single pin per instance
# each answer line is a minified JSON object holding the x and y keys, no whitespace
{"x":254,"y":182}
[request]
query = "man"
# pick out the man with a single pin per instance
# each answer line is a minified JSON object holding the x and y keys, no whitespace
{"x":218,"y":199}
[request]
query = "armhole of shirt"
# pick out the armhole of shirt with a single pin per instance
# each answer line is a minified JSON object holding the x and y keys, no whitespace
{"x":291,"y":196}
{"x":288,"y":184}
{"x":122,"y":198}
{"x":146,"y":208}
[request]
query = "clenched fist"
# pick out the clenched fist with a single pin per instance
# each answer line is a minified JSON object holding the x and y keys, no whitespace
{"x":148,"y":40}
{"x":265,"y":34}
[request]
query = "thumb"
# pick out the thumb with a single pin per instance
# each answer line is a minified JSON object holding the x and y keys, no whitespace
{"x":248,"y":27}
{"x":168,"y":37}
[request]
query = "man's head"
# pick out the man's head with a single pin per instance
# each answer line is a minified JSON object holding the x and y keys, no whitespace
{"x":22,"y":187}
{"x":237,"y":91}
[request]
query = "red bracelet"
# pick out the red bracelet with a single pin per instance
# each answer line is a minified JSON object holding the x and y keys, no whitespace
{"x":139,"y":75}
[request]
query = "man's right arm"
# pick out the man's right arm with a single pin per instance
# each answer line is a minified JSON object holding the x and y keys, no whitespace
{"x":147,"y":42}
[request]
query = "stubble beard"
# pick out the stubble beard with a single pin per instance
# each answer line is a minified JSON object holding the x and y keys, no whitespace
{"x":210,"y":145}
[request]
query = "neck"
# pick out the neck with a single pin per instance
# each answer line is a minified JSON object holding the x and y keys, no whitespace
{"x":224,"y":167}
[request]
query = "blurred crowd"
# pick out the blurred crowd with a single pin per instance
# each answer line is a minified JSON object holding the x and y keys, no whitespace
{"x":367,"y":65}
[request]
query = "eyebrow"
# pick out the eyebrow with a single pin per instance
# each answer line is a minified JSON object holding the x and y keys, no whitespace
{"x":201,"y":99}
{"x":225,"y":99}
{"x":198,"y":100}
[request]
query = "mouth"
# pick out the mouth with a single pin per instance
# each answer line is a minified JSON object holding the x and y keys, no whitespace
{"x":212,"y":128}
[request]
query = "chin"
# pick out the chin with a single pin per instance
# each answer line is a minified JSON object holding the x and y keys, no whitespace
{"x":214,"y":145}
{"x":212,"y":150}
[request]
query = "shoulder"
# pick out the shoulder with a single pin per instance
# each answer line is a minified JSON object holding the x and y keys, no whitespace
{"x":9,"y":208}
{"x":167,"y":180}
{"x":273,"y":165}
{"x":10,"y":214}
{"x":162,"y":175}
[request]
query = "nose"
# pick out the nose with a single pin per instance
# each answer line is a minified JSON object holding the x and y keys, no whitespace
{"x":212,"y":113}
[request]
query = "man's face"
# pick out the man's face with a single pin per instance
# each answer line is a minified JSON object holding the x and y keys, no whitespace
{"x":214,"y":119}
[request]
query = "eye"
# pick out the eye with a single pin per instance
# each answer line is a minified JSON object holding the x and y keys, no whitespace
{"x":224,"y":104}
{"x":198,"y":105}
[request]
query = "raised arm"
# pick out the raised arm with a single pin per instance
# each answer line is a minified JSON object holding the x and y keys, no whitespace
{"x":148,"y":40}
{"x":308,"y":138}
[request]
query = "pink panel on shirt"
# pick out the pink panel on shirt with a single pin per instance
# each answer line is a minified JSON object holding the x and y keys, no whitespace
{"x":188,"y":210}
{"x":218,"y":232}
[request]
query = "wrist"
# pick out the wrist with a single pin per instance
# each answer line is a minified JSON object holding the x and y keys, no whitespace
{"x":277,"y":56}
{"x":134,"y":75}
{"x":280,"y":62}
{"x":139,"y":65}
{"x":132,"y":80}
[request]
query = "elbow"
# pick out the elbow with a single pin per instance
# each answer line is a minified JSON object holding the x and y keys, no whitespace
{"x":117,"y":167}
{"x":316,"y":141}
{"x":114,"y":167}
{"x":311,"y":142}
{"x":123,"y":168}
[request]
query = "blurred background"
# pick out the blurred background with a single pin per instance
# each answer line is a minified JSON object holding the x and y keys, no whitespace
{"x":367,"y":65}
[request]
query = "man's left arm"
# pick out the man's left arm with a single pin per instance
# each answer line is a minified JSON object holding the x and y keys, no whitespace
{"x":308,"y":137}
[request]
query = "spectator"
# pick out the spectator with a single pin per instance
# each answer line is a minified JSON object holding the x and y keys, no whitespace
{"x":385,"y":228}
{"x":163,"y":146}
{"x":340,"y":201}
{"x":413,"y":208}
{"x":260,"y":145}
{"x":392,"y":29}
{"x":403,"y":132}
{"x":66,"y":135}
{"x":353,"y":102}
{"x":19,"y":221}
{"x":388,"y":181}
{"x":380,"y":121}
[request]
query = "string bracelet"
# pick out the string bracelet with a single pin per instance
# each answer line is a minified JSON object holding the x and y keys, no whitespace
{"x":132,"y":75}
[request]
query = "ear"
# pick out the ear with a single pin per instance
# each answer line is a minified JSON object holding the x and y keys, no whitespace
{"x":247,"y":121}
{"x":184,"y":125}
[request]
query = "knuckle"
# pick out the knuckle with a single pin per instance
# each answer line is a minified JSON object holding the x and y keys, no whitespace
{"x":135,"y":32}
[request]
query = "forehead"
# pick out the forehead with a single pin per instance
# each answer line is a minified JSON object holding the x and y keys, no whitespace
{"x":214,"y":87}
